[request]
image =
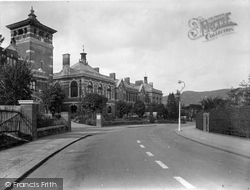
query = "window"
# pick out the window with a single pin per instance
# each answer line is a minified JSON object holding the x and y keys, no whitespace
{"x":109,"y":109}
{"x":33,"y":85}
{"x":74,"y":89}
{"x":109,"y":92}
{"x":20,"y":31}
{"x":100,"y":89}
{"x":90,"y":87}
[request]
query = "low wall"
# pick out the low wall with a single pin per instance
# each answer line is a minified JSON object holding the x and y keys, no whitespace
{"x":230,"y":121}
{"x":45,"y":131}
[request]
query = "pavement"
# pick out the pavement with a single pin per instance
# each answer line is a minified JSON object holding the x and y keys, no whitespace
{"x":235,"y":145}
{"x":18,"y":162}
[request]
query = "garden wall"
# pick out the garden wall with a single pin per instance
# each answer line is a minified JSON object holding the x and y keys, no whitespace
{"x":45,"y":131}
{"x":230,"y":121}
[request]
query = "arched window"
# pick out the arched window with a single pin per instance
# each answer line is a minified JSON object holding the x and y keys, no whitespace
{"x":100,"y":89}
{"x":57,"y":84}
{"x":109,"y":109}
{"x":90,"y":87}
{"x":73,"y":89}
{"x":109,"y":92}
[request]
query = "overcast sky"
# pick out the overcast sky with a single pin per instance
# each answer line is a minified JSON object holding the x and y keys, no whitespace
{"x":132,"y":38}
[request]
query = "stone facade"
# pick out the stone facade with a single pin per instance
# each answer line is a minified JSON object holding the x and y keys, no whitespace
{"x":79,"y":79}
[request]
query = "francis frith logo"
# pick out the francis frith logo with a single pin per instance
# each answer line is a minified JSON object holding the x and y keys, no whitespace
{"x":211,"y":28}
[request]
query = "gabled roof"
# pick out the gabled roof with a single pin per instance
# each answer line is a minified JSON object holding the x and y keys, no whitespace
{"x":11,"y":51}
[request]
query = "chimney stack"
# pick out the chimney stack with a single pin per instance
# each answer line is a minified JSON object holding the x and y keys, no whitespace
{"x":127,"y":79}
{"x":66,"y":59}
{"x":97,"y":69}
{"x":112,"y":75}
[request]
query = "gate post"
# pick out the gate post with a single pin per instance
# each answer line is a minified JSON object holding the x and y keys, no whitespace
{"x":30,"y":108}
{"x":99,"y":120}
{"x":206,"y":122}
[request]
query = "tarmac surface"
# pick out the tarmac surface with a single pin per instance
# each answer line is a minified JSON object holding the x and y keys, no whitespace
{"x":18,"y":162}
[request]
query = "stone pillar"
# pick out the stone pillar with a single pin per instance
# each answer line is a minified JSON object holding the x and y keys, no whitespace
{"x":206,"y":122}
{"x":67,"y":117}
{"x":30,"y":109}
{"x":99,"y":120}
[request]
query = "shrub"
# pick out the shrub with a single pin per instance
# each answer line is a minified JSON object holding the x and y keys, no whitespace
{"x":151,"y":118}
{"x":90,"y":121}
{"x":46,"y":121}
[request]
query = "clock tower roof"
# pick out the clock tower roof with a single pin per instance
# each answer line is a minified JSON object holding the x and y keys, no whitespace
{"x":31,"y":20}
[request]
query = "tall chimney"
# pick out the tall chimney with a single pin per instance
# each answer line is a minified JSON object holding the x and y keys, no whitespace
{"x":127,"y":79}
{"x":146,"y":80}
{"x":112,"y":75}
{"x":66,"y":59}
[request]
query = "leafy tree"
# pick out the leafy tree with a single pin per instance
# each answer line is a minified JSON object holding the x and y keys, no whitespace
{"x":94,"y":103}
{"x":151,"y":107}
{"x":1,"y":39}
{"x":161,"y":110}
{"x":53,"y":98}
{"x":139,"y":108}
{"x":212,"y":102}
{"x":123,"y":108}
{"x":172,"y":106}
{"x":15,"y":83}
{"x":240,"y":96}
{"x":192,"y":110}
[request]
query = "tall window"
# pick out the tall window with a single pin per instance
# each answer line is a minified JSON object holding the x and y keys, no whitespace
{"x":100,"y":89}
{"x":109,"y":92}
{"x":90,"y":87}
{"x":33,"y":85}
{"x":74,"y":89}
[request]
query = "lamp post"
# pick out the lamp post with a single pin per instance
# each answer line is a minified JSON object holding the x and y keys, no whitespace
{"x":179,"y":122}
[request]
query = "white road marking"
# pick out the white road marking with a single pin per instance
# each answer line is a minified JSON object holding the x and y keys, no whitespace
{"x":149,"y":153}
{"x":142,"y":146}
{"x":185,"y":183}
{"x":139,"y":142}
{"x":161,"y":164}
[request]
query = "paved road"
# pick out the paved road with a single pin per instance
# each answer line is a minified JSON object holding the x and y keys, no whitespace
{"x":145,"y":157}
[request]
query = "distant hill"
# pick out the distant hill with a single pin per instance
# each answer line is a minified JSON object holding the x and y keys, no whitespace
{"x":191,"y":97}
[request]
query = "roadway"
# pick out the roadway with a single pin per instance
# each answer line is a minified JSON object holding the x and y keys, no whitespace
{"x":144,"y":157}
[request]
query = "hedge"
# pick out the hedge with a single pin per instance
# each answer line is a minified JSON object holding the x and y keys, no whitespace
{"x":230,"y":121}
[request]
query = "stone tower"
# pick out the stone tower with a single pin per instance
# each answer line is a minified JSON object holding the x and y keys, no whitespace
{"x":34,"y":42}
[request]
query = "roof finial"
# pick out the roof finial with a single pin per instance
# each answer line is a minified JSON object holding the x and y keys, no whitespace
{"x":32,"y":10}
{"x":32,"y":13}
